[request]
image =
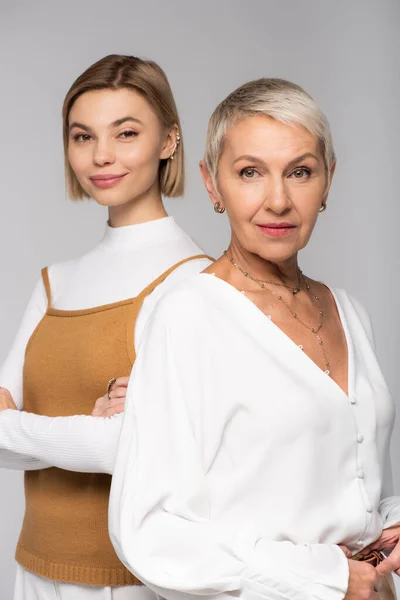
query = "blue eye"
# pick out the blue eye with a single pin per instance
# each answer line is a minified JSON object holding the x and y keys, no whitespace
{"x":248,"y":173}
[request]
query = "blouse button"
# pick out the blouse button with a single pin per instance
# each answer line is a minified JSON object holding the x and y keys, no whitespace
{"x":360,"y":543}
{"x":360,"y":438}
{"x":360,"y":474}
{"x":353,"y":400}
{"x":369,"y":509}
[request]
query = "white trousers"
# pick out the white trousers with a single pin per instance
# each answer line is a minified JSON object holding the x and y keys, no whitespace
{"x":29,"y":586}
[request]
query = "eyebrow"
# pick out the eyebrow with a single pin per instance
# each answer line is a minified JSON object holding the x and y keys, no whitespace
{"x":255,"y":159}
{"x":116,"y":123}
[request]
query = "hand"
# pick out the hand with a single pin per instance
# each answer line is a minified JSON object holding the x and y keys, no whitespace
{"x":364,"y":582}
{"x":6,"y":400}
{"x":389,"y":542}
{"x":107,"y":407}
{"x":345,"y":550}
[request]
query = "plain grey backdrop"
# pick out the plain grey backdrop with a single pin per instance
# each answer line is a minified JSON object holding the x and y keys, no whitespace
{"x":345,"y":53}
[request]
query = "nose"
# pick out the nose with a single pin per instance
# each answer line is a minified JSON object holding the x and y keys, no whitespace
{"x":277,"y":198}
{"x":103,"y":153}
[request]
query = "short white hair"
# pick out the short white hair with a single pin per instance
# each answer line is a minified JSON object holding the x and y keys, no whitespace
{"x":275,"y":98}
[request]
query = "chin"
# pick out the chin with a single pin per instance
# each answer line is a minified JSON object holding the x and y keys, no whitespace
{"x":277,"y":255}
{"x":109,"y":200}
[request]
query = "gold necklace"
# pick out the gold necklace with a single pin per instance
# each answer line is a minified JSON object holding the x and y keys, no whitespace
{"x":295,"y":290}
{"x":314,"y":330}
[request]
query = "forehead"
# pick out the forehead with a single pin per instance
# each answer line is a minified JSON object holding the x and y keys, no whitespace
{"x":102,"y":107}
{"x":262,"y":136}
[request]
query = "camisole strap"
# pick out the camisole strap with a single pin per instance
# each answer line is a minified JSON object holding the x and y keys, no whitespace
{"x":46,"y":283}
{"x":152,"y":286}
{"x":137,"y":304}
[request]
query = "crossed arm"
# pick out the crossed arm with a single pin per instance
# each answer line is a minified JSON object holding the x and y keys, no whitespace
{"x":29,"y":442}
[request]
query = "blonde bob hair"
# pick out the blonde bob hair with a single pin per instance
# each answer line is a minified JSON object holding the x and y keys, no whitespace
{"x":115,"y":72}
{"x":274,"y":98}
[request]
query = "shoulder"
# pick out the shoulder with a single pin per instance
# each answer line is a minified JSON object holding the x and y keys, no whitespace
{"x":184,"y":301}
{"x":355,"y":310}
{"x":183,"y":310}
{"x":176,"y":278}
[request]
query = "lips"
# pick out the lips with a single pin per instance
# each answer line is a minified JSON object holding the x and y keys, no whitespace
{"x":106,"y":181}
{"x":277,"y":229}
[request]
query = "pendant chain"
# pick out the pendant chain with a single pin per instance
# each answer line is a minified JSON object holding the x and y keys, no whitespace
{"x":295,"y":290}
{"x":314,"y":330}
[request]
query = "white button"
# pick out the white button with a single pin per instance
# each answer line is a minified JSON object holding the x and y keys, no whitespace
{"x":369,"y":509}
{"x":360,"y":474}
{"x":360,"y":438}
{"x":360,"y":543}
{"x":353,"y":400}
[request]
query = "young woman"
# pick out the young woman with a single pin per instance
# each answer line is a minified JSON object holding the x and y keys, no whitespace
{"x":123,"y":148}
{"x":270,"y":406}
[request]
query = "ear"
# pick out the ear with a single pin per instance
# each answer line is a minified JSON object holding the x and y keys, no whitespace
{"x":170,"y":143}
{"x":209,"y":183}
{"x":329,"y":183}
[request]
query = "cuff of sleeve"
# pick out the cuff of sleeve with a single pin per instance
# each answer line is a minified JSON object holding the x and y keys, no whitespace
{"x":332,"y":582}
{"x":389,"y":510}
{"x":302,"y":572}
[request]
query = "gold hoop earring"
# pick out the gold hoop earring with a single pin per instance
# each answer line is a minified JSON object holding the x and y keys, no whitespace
{"x":323,"y":207}
{"x":177,"y":142}
{"x":218,"y":208}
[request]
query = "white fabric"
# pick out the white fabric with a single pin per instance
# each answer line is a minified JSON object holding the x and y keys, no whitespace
{"x":260,"y":466}
{"x":119,"y":267}
{"x":29,"y":586}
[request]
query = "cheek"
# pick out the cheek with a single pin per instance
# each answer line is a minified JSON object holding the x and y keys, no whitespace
{"x":79,"y":160}
{"x":243,"y":199}
{"x":138,"y":157}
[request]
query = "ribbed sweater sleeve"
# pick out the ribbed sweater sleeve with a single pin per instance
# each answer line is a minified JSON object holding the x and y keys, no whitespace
{"x":11,"y":379}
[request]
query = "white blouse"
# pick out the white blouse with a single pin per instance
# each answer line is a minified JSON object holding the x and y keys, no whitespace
{"x":119,"y":267}
{"x":241,"y":464}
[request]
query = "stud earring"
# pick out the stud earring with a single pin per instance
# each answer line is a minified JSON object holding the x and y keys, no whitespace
{"x":218,"y":208}
{"x":323,"y":207}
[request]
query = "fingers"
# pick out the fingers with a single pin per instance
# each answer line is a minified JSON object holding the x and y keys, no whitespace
{"x":121,"y":382}
{"x":117,"y":392}
{"x":386,"y":567}
{"x":107,"y":408}
{"x":115,"y":409}
{"x":113,"y":401}
{"x":391,"y":563}
{"x":345,"y":550}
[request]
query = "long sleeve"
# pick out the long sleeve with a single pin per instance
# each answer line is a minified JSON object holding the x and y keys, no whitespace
{"x":11,"y":376}
{"x":389,"y":507}
{"x":79,"y":443}
{"x":30,"y":442}
{"x":161,"y":513}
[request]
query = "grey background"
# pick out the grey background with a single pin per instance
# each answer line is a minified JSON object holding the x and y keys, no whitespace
{"x":345,"y":53}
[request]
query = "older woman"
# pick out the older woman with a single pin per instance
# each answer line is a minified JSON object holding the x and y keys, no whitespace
{"x":262,"y":389}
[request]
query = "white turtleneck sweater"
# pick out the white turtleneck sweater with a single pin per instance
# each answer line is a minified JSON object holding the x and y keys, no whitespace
{"x":119,"y":267}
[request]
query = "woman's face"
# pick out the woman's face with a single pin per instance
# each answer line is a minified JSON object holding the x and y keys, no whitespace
{"x":116,"y":142}
{"x":272,"y":182}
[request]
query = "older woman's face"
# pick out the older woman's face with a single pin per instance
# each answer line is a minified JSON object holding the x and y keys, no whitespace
{"x":272,"y":181}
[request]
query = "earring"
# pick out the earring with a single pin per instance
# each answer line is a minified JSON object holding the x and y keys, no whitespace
{"x":177,"y":142}
{"x":218,"y":208}
{"x":323,"y":207}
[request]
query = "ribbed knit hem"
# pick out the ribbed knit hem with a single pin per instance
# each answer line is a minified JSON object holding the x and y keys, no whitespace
{"x":84,"y":575}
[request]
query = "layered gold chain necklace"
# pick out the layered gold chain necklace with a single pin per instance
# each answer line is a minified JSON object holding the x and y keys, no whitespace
{"x":295,"y":290}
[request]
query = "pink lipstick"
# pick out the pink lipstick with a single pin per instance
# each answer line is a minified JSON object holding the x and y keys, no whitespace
{"x":106,"y":181}
{"x":277,"y":229}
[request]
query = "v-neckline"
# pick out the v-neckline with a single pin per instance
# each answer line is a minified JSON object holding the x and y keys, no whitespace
{"x":270,"y":323}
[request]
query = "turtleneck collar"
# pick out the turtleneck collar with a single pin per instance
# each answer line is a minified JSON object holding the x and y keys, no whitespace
{"x":143,"y":234}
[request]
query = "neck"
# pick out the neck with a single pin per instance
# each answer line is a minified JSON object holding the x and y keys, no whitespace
{"x":262,"y":269}
{"x":147,"y":207}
